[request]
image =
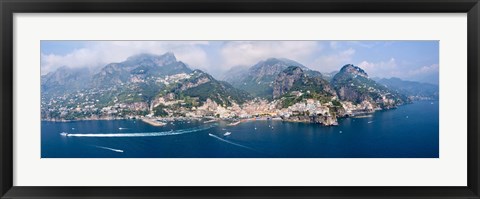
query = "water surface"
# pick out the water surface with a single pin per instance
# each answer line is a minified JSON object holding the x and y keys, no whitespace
{"x":410,"y":131}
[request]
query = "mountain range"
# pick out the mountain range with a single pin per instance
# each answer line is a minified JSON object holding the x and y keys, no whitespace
{"x":259,"y":79}
{"x":145,"y":78}
{"x":416,"y":90}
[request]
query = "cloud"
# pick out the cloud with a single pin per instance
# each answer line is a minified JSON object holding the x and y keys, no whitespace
{"x":248,"y":53}
{"x":215,"y":57}
{"x":429,"y":73}
{"x":76,"y":59}
{"x":334,"y":44}
{"x":383,"y":68}
{"x":98,"y":54}
{"x":332,"y":62}
{"x":391,"y":68}
{"x":223,"y":55}
{"x":424,"y":70}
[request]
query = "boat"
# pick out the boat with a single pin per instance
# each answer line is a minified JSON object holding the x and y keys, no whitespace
{"x":234,"y":123}
{"x":153,"y":122}
{"x":210,"y":121}
{"x":361,"y":116}
{"x":64,"y":134}
{"x":227,"y":133}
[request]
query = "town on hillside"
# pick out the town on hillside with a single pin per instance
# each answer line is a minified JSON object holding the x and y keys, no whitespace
{"x":158,"y":88}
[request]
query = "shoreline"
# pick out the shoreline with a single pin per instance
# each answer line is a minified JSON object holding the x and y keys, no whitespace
{"x":229,"y":121}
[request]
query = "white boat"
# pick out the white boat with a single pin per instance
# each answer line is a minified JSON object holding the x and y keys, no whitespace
{"x":227,"y":133}
{"x":233,"y":123}
{"x":64,"y":134}
{"x":210,"y":121}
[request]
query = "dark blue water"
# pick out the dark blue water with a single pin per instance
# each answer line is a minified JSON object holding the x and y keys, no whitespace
{"x":410,"y":131}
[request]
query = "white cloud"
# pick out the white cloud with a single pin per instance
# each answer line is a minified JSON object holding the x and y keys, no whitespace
{"x":332,"y":62}
{"x":424,"y":70}
{"x":391,"y":68}
{"x":333,"y":44}
{"x":218,"y":56}
{"x":428,"y":73}
{"x":78,"y":58}
{"x":101,"y":53}
{"x":383,"y":68}
{"x":248,"y":53}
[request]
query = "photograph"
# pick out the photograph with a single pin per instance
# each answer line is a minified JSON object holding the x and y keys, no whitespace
{"x":239,"y":99}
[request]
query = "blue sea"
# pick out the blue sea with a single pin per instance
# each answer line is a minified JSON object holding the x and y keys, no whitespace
{"x":410,"y":131}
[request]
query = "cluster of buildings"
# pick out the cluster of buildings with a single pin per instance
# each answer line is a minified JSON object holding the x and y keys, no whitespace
{"x":308,"y":110}
{"x":82,"y":105}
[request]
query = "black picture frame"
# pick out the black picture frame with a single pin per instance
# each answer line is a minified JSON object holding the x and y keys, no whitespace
{"x":10,"y":7}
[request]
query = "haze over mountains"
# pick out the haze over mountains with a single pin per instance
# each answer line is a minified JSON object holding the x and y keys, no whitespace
{"x":147,"y":79}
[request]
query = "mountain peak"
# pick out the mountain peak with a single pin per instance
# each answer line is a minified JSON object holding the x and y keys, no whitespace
{"x":164,"y":59}
{"x":283,"y":61}
{"x":275,"y":65}
{"x":293,"y":70}
{"x":169,"y":55}
{"x":285,"y":80}
{"x":272,"y":59}
{"x":259,"y":78}
{"x":294,"y":78}
{"x":355,"y":70}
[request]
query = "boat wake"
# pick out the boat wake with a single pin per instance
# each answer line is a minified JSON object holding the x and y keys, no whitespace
{"x":108,"y":148}
{"x":145,"y":134}
{"x":232,"y":143}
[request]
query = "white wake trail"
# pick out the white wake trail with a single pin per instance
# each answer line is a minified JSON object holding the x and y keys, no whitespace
{"x":111,"y":149}
{"x":232,"y":143}
{"x":145,"y":134}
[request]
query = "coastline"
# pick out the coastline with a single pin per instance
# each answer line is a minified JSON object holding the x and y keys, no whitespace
{"x":230,"y":121}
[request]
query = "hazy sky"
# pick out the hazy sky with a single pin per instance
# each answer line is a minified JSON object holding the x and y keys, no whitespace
{"x":409,"y":60}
